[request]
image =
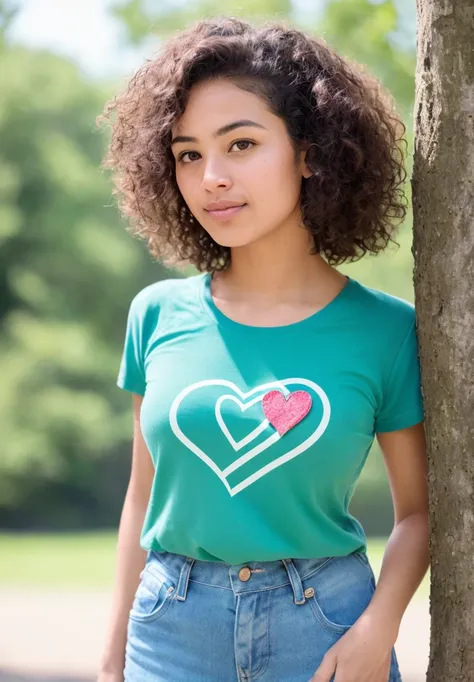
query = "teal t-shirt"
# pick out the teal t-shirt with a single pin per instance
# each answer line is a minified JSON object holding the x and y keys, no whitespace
{"x":259,"y":434}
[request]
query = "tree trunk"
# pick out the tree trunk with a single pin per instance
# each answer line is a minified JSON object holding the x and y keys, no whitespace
{"x":443,"y":249}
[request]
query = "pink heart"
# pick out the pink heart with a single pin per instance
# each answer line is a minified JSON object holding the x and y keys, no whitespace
{"x":283,"y":413}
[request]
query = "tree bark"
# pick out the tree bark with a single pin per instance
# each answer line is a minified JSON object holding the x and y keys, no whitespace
{"x":443,"y":250}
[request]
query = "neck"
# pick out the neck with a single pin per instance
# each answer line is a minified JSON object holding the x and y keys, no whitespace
{"x":282,"y":270}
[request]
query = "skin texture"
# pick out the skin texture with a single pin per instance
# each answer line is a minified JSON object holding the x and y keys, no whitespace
{"x":263,"y":174}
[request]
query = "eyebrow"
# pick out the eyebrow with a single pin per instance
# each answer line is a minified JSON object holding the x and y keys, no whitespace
{"x":221,"y":131}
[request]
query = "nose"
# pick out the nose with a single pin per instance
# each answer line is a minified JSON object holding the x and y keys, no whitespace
{"x":215,"y":175}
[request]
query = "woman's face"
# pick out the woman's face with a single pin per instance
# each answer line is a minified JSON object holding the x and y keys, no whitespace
{"x":252,"y":165}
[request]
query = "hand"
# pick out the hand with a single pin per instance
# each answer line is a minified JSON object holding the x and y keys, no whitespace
{"x":363,"y":654}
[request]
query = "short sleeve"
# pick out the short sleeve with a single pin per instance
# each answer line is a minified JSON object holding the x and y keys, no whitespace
{"x":402,"y":402}
{"x":131,"y":376}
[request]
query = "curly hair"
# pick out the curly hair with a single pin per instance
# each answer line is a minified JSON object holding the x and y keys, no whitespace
{"x":356,"y":191}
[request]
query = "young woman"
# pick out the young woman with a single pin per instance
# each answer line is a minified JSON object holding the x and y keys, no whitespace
{"x":264,"y":159}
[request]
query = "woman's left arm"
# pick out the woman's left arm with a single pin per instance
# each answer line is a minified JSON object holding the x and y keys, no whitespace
{"x":363,"y":653}
{"x":406,"y":558}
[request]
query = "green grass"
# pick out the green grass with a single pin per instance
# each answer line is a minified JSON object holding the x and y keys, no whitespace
{"x":87,"y":560}
{"x":57,"y":560}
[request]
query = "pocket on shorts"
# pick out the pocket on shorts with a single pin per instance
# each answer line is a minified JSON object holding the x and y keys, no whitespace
{"x":154,"y":594}
{"x":342,"y":589}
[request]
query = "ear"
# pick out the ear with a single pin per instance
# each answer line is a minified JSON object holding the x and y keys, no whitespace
{"x":305,"y":170}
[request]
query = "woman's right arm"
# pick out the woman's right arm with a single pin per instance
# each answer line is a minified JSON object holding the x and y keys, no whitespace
{"x":130,"y":557}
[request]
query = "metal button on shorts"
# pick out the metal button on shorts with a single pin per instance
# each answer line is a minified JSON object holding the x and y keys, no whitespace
{"x":244,"y":573}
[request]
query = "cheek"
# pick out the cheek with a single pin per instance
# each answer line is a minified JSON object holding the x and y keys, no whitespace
{"x":180,"y":181}
{"x":276,"y":189}
{"x":188,"y":194}
{"x":276,"y":177}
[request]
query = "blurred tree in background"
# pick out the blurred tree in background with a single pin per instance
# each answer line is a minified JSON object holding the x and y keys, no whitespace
{"x":69,"y":269}
{"x":67,"y":273}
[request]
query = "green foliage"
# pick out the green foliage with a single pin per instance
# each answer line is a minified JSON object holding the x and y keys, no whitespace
{"x":143,"y":19}
{"x":68,"y":271}
{"x":362,"y":31}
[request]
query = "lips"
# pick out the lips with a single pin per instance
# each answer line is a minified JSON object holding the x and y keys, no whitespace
{"x":222,"y":205}
{"x":225,"y":213}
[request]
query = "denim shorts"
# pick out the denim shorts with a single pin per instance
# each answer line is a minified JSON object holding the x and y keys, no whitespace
{"x":272,"y":621}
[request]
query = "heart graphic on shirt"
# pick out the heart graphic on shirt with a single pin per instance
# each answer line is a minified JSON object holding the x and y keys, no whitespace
{"x":282,"y":412}
{"x":238,"y":445}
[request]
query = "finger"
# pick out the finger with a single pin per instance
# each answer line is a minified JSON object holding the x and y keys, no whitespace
{"x":325,"y":670}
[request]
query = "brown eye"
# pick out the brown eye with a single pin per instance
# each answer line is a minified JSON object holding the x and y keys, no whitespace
{"x":244,"y":142}
{"x":183,"y":154}
{"x":238,"y":142}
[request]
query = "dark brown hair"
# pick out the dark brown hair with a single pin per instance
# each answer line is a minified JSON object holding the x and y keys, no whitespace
{"x":348,"y":119}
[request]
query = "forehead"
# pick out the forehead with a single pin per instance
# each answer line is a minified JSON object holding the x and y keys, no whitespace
{"x":215,"y":103}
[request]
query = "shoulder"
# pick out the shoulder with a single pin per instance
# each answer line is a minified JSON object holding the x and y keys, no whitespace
{"x":165,"y":292}
{"x":387,"y":311}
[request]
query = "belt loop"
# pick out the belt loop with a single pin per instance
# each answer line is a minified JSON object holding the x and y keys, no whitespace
{"x":295,"y":581}
{"x":184,"y":578}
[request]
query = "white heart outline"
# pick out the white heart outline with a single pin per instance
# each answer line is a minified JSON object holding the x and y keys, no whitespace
{"x":173,"y":414}
{"x":238,"y":445}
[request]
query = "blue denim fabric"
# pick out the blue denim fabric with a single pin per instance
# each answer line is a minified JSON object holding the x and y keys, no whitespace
{"x":202,"y":621}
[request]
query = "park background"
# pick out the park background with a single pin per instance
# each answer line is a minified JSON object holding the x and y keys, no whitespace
{"x":68,"y":272}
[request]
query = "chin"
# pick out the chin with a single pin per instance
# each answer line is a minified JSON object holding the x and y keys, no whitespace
{"x":233,"y":243}
{"x":232,"y":237}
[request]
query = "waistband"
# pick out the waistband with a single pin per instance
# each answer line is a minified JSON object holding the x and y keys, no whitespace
{"x":252,"y":576}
